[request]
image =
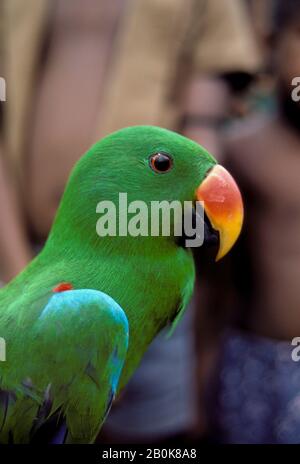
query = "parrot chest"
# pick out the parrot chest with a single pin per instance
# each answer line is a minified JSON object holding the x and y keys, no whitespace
{"x":150,"y":292}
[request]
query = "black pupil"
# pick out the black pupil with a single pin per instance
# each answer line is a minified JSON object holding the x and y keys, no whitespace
{"x":162,"y":162}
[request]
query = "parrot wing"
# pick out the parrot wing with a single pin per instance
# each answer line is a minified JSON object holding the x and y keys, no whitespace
{"x":79,"y":345}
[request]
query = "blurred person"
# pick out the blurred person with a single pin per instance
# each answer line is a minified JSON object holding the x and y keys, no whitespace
{"x":254,"y":393}
{"x":14,"y":248}
{"x":261,"y":21}
{"x":76,"y":71}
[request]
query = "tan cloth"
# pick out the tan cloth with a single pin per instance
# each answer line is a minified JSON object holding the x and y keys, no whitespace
{"x":154,"y":40}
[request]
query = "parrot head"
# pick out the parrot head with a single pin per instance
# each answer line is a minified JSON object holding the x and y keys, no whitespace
{"x":152,"y":164}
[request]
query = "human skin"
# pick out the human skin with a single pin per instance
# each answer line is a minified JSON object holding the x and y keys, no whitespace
{"x":14,"y":248}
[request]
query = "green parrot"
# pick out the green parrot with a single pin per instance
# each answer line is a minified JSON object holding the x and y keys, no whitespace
{"x":78,"y":319}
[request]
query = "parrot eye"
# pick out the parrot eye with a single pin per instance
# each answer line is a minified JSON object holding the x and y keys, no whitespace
{"x":161,"y":162}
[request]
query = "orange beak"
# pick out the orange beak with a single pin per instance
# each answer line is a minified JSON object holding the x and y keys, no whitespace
{"x":223,"y":206}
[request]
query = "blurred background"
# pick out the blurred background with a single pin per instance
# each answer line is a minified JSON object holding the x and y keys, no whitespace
{"x":220,"y":72}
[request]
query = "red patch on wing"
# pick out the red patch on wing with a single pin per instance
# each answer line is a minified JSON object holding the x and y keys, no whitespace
{"x":62,"y":287}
